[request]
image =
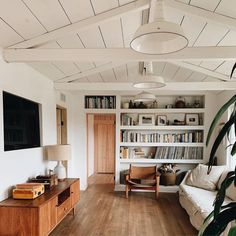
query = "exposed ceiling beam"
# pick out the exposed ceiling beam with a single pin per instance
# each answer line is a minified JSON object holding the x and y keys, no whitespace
{"x":190,"y":86}
{"x":138,"y":5}
{"x":201,"y":70}
{"x":90,"y":72}
{"x":117,"y":54}
{"x":209,"y":16}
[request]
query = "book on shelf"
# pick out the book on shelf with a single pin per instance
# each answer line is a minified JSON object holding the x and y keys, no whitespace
{"x":100,"y":102}
{"x":179,"y":153}
{"x":148,"y":137}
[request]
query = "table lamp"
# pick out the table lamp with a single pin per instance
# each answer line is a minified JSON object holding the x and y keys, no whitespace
{"x":59,"y":153}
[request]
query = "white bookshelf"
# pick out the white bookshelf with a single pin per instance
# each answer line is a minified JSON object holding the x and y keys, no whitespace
{"x":157,"y":161}
{"x":136,"y":144}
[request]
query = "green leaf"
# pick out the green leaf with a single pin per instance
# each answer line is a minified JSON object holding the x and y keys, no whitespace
{"x":218,"y":225}
{"x":218,"y":140}
{"x":234,"y":119}
{"x":233,"y":150}
{"x":234,"y":67}
{"x":218,"y":116}
{"x":232,"y":231}
{"x":220,"y":196}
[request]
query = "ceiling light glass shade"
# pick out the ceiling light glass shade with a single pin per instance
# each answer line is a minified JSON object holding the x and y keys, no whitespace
{"x":150,"y":82}
{"x":144,"y":97}
{"x":159,"y":37}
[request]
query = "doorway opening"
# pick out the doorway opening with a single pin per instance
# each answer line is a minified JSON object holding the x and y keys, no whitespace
{"x":62,"y":129}
{"x":101,"y":133}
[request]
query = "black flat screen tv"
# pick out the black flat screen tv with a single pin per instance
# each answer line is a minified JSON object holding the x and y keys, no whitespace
{"x":21,"y":123}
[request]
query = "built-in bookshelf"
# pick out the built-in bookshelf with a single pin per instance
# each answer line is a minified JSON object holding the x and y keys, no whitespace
{"x":166,"y":133}
{"x":157,"y":132}
{"x":100,"y":102}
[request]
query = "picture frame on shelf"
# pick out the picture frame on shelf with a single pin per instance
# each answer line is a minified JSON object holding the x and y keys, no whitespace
{"x":162,"y":120}
{"x":146,"y":119}
{"x":192,"y":119}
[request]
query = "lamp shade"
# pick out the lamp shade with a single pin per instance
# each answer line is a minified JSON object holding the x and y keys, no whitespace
{"x":144,"y":97}
{"x":159,"y":37}
{"x":150,"y":82}
{"x":60,"y":152}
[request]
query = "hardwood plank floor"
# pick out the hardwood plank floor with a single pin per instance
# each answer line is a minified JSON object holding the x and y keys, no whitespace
{"x":103,"y":212}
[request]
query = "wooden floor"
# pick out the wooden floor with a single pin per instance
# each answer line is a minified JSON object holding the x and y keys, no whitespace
{"x":103,"y":212}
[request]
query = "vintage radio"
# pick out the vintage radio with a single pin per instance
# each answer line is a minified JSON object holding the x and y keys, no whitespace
{"x":28,"y":191}
{"x":47,"y":180}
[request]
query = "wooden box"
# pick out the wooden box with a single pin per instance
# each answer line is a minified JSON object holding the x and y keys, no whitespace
{"x":28,"y":191}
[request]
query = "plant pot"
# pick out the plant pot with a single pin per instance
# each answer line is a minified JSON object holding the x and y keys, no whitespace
{"x":168,"y":179}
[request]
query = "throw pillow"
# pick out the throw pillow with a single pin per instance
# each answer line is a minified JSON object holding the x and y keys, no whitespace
{"x":198,"y":177}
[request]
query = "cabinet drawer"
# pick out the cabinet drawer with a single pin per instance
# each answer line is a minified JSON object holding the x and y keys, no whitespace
{"x":63,"y":209}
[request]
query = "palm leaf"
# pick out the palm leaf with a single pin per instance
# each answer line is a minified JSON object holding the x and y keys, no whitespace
{"x":217,"y":226}
{"x":220,"y":196}
{"x":218,"y":140}
{"x":218,"y":116}
{"x":234,"y":67}
{"x":234,"y":119}
{"x":233,"y":150}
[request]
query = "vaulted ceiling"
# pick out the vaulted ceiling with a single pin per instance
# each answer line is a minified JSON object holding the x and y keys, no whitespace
{"x":85,"y":42}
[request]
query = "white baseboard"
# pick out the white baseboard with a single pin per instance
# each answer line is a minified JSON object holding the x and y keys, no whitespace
{"x":163,"y":189}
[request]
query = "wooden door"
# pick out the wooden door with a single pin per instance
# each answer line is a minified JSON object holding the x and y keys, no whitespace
{"x":104,"y":143}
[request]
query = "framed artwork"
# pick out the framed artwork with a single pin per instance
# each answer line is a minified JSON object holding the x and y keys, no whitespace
{"x":192,"y":119}
{"x":145,"y":119}
{"x":162,"y":120}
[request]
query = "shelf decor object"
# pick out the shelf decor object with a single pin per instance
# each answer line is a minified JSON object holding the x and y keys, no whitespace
{"x":59,"y":153}
{"x":158,"y":36}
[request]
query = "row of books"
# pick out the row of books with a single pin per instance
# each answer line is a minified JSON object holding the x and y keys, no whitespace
{"x":180,"y":153}
{"x":126,"y":120}
{"x":185,"y":137}
{"x":100,"y":102}
{"x":165,"y":153}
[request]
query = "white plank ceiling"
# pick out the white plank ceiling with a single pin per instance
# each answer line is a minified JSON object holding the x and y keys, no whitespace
{"x":21,"y":20}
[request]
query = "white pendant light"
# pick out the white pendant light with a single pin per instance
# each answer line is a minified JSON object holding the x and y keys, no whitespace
{"x":144,"y":97}
{"x":149,"y":80}
{"x":160,"y":36}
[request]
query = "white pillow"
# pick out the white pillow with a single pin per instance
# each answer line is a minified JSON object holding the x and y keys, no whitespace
{"x":231,"y":192}
{"x":198,"y":177}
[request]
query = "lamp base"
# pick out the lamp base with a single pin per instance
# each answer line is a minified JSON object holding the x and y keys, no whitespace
{"x":60,"y":171}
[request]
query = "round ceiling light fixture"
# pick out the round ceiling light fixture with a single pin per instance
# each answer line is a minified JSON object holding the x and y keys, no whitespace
{"x":158,"y":36}
{"x":144,"y":97}
{"x":150,"y":82}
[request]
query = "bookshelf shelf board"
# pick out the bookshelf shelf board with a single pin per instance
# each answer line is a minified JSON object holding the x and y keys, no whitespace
{"x":100,"y":111}
{"x":167,"y":127}
{"x":163,"y":111}
{"x":150,"y":161}
{"x":129,"y":144}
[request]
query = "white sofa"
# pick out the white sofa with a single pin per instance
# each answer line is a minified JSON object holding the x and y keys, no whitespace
{"x":198,"y":202}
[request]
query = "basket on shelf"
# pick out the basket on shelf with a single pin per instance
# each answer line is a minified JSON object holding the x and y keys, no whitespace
{"x":168,"y":174}
{"x":168,"y":178}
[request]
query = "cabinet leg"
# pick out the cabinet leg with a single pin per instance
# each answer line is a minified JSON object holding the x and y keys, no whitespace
{"x":73,"y":211}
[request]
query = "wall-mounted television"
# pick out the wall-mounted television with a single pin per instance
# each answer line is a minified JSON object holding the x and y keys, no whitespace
{"x":21,"y":122}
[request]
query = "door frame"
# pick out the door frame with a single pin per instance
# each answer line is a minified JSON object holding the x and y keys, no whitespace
{"x":87,"y":141}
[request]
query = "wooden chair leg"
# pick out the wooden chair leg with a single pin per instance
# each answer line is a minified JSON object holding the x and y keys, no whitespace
{"x":127,"y":191}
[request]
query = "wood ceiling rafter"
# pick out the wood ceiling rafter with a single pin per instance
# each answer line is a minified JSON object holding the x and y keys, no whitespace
{"x":117,"y":54}
{"x":209,"y":16}
{"x":200,"y":69}
{"x":138,"y":5}
{"x":190,"y":86}
{"x":89,"y":72}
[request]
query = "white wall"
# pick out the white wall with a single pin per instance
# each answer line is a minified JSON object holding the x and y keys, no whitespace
{"x":90,"y":150}
{"x":17,"y":166}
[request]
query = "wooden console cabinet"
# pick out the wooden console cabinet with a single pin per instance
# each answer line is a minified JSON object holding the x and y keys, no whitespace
{"x":40,"y":216}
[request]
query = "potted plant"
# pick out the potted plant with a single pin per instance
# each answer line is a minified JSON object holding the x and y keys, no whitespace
{"x":168,"y":174}
{"x":219,"y":218}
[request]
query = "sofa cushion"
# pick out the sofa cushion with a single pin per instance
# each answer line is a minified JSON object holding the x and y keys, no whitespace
{"x":198,"y":177}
